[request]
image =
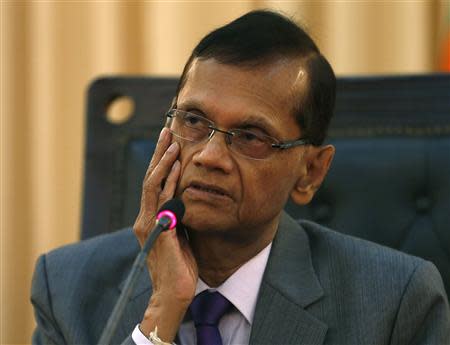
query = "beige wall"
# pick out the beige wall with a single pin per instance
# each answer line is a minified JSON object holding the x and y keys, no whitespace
{"x":51,"y":50}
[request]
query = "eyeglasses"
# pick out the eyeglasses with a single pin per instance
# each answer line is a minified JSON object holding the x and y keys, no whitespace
{"x":247,"y":143}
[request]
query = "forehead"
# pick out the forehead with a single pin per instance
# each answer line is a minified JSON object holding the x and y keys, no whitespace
{"x":228,"y":94}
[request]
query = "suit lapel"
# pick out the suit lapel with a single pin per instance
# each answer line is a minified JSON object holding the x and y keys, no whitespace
{"x":289,"y":286}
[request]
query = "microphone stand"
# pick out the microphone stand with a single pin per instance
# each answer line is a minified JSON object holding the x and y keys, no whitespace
{"x":110,"y":329}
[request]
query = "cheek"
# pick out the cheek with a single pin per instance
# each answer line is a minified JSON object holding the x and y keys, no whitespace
{"x":265,"y":192}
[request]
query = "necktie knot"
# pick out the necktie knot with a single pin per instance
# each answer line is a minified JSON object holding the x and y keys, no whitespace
{"x":207,"y":308}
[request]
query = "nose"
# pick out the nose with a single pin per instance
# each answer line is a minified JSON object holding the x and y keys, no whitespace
{"x":214,"y":153}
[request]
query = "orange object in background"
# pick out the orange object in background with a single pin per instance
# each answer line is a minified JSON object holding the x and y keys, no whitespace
{"x":444,"y":63}
{"x":444,"y":38}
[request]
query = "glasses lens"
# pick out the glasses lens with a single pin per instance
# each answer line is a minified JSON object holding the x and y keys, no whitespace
{"x":250,"y":144}
{"x":188,"y":126}
{"x":196,"y":128}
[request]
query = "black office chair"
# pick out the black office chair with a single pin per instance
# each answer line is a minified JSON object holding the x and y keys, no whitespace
{"x":389,"y":181}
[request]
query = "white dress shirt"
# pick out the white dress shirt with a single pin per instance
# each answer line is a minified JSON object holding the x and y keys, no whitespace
{"x":241,"y":289}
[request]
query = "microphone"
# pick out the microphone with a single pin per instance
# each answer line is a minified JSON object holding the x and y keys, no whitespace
{"x":166,"y":219}
{"x":169,"y":214}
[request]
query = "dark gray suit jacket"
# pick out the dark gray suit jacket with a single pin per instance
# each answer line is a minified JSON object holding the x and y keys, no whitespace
{"x":319,"y":287}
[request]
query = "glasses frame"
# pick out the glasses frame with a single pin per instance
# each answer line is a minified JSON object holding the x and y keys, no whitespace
{"x":276,"y":144}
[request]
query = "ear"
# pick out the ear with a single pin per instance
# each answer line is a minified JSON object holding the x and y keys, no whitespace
{"x":316,"y":161}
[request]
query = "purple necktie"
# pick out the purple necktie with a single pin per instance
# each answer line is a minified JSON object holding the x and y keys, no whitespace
{"x":206,"y":309}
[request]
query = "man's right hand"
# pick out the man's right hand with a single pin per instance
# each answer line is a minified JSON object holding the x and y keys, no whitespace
{"x":172,"y":267}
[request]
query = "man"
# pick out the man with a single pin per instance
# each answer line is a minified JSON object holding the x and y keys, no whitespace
{"x":244,"y":134}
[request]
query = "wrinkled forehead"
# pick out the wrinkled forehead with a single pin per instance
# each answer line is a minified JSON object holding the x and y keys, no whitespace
{"x":282,"y":79}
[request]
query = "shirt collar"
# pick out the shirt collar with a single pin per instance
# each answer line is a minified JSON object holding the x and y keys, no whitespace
{"x":242,"y":287}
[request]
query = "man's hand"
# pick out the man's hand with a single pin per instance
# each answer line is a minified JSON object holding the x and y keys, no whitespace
{"x":171,"y":264}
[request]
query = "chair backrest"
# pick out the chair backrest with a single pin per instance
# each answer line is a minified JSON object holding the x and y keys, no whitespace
{"x":389,"y":182}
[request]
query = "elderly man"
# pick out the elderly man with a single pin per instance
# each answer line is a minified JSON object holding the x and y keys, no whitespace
{"x":245,"y":133}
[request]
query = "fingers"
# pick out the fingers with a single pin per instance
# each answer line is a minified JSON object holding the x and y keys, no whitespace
{"x":171,"y":183}
{"x":161,"y":147}
{"x":163,"y":167}
{"x":153,"y":189}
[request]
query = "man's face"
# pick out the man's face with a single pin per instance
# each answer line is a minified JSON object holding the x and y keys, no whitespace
{"x":252,"y":192}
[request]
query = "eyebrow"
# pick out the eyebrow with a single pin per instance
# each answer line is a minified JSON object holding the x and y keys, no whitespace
{"x":191,"y":105}
{"x":251,"y":120}
{"x":260,"y":122}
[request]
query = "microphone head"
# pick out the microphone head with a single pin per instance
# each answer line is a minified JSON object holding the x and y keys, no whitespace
{"x":172,"y":209}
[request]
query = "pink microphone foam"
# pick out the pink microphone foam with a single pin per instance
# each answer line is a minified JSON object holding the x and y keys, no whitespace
{"x":171,"y":215}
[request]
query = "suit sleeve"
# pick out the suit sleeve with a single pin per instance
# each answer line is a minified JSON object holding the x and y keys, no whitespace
{"x":423,"y":316}
{"x":47,"y":330}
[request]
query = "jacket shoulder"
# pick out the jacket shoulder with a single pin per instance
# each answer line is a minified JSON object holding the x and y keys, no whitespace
{"x":89,"y":260}
{"x":353,"y":251}
{"x":105,"y":260}
{"x":367,"y":283}
{"x":115,"y":246}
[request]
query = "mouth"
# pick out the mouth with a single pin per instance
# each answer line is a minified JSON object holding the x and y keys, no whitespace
{"x":208,"y":188}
